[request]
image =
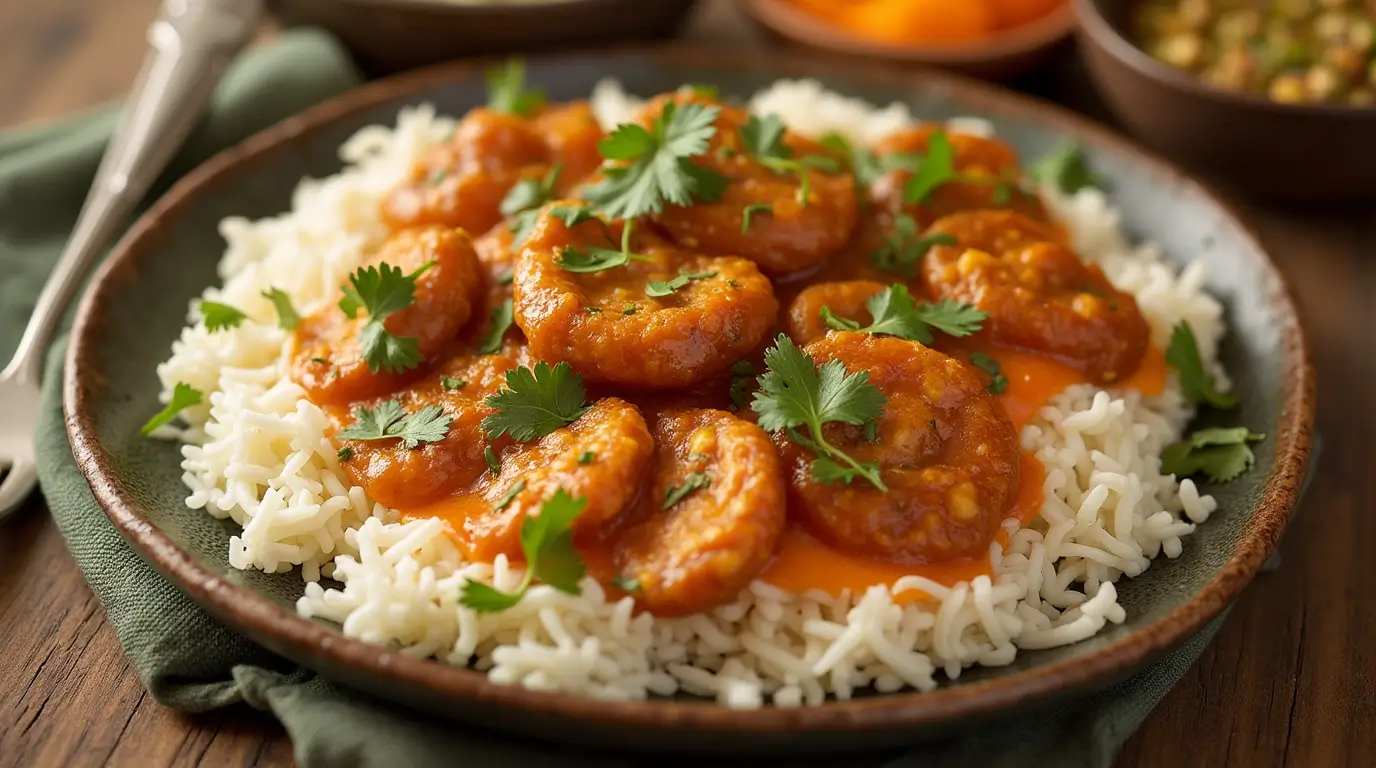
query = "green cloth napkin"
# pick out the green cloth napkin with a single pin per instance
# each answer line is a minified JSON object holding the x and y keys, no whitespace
{"x":190,"y":662}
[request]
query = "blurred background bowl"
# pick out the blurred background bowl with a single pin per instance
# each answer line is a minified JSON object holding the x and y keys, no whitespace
{"x":1001,"y":56}
{"x":388,"y":36}
{"x":1286,"y":152}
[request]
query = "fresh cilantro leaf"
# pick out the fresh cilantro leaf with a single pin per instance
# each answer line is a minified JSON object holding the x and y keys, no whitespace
{"x":510,"y":495}
{"x":383,"y":291}
{"x":1221,"y":453}
{"x":1066,"y":169}
{"x":587,"y":457}
{"x":501,"y":321}
{"x":593,"y":310}
{"x":507,"y":92}
{"x":523,"y":201}
{"x":287,"y":318}
{"x":183,"y":396}
{"x":219,"y":317}
{"x":762,"y":139}
{"x":694,"y":481}
{"x":937,"y":168}
{"x":649,"y":168}
{"x":547,"y":541}
{"x":702,"y":90}
{"x":836,"y":322}
{"x":452,"y":384}
{"x":864,"y":165}
{"x":1183,"y":355}
{"x":626,"y":584}
{"x":952,"y":318}
{"x":629,"y":309}
{"x":535,"y":402}
{"x":742,"y":376}
{"x":903,"y":248}
{"x":895,"y":313}
{"x":595,"y":259}
{"x":493,"y":461}
{"x":390,"y":421}
{"x":750,"y":211}
{"x":658,"y":288}
{"x":796,"y":393}
{"x":572,"y":215}
{"x":345,"y":453}
{"x":998,"y":383}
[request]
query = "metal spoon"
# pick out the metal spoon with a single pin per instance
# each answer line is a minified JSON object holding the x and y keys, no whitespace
{"x":191,"y":44}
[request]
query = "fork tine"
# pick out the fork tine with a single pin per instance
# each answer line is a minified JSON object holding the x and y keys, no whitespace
{"x":16,"y":486}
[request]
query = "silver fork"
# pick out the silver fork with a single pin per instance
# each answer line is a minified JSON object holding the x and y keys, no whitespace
{"x":191,"y":43}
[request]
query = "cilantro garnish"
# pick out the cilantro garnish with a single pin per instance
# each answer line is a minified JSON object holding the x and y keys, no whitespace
{"x":693,"y":482}
{"x":493,"y":461}
{"x":903,"y":248}
{"x":183,"y":396}
{"x":1221,"y":453}
{"x":762,"y":139}
{"x":502,"y":317}
{"x":547,"y":541}
{"x":522,"y":203}
{"x":507,"y":92}
{"x":345,"y":453}
{"x":626,"y":583}
{"x":796,"y":393}
{"x":742,"y":376}
{"x":658,"y":288}
{"x":935,"y":169}
{"x":596,"y":259}
{"x":587,"y":457}
{"x":452,"y":384}
{"x":649,"y":168}
{"x":572,"y":215}
{"x":864,"y":165}
{"x":1065,"y":169}
{"x":219,"y":317}
{"x":749,"y":212}
{"x":390,"y":421}
{"x":510,"y":495}
{"x":1183,"y":355}
{"x":896,"y":314}
{"x":629,"y":309}
{"x":383,"y":291}
{"x":999,"y":383}
{"x":535,"y":402}
{"x":287,"y":318}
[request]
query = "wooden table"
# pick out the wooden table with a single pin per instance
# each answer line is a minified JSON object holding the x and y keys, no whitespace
{"x":1289,"y":681}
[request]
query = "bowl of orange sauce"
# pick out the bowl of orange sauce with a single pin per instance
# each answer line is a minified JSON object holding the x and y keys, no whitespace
{"x":987,"y":38}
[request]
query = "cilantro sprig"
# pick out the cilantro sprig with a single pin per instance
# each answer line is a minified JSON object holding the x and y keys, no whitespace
{"x":547,"y":541}
{"x":287,"y":317}
{"x":796,"y":394}
{"x":389,"y":421}
{"x":998,"y":383}
{"x":648,"y":168}
{"x":1221,"y":453}
{"x":695,"y":481}
{"x":657,"y":288}
{"x":895,"y":313}
{"x":903,"y":248}
{"x":502,"y":318}
{"x":535,"y":402}
{"x":762,"y":140}
{"x":523,"y":201}
{"x":183,"y":396}
{"x":1066,"y":169}
{"x":936,"y":168}
{"x":507,"y":91}
{"x":1182,"y":354}
{"x":220,"y":317}
{"x":383,"y":291}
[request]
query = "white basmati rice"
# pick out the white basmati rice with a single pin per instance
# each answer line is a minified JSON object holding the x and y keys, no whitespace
{"x":258,"y":453}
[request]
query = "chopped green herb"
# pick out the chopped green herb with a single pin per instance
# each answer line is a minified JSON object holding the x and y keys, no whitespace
{"x":320,"y":361}
{"x":494,"y":462}
{"x":629,"y":309}
{"x":510,"y":495}
{"x":383,"y":291}
{"x":796,"y":393}
{"x":547,"y":541}
{"x":436,"y":176}
{"x":389,"y":421}
{"x":345,"y":453}
{"x":742,"y":376}
{"x":572,"y":215}
{"x":507,"y":92}
{"x":595,"y":259}
{"x":895,"y":313}
{"x":649,"y":168}
{"x":287,"y":318}
{"x":732,"y":283}
{"x":626,"y":584}
{"x":658,"y":288}
{"x":762,"y":140}
{"x":535,"y":402}
{"x":1065,"y":169}
{"x":999,"y":383}
{"x":523,"y":201}
{"x":693,"y":482}
{"x":593,"y":310}
{"x":903,"y":248}
{"x":183,"y":396}
{"x":1221,"y":453}
{"x":501,"y":320}
{"x":452,"y":384}
{"x":507,"y":278}
{"x":219,"y":317}
{"x":938,"y":167}
{"x":1183,"y":355}
{"x":749,"y":212}
{"x":702,"y":90}
{"x":587,"y":457}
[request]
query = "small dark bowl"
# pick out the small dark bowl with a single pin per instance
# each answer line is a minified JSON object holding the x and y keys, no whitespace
{"x":1002,"y":56}
{"x":387,"y":36}
{"x":1285,"y":152}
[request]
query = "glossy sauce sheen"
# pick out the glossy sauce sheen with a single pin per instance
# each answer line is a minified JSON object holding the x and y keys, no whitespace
{"x":656,"y":367}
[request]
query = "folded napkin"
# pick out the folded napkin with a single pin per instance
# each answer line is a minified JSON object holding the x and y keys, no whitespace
{"x":190,"y":662}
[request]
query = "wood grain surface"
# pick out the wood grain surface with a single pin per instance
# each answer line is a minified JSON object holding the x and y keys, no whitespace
{"x":1289,"y":681}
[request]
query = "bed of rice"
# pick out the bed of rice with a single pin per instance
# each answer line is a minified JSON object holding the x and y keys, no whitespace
{"x":257,"y":452}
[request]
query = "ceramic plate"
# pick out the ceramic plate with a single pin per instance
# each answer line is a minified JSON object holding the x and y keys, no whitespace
{"x":137,"y":306}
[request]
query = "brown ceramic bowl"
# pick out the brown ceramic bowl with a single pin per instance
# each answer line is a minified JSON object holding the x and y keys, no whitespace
{"x":1299,"y":153}
{"x":1000,"y":57}
{"x":387,"y":36}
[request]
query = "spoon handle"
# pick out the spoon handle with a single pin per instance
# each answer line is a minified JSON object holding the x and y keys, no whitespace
{"x":191,"y":43}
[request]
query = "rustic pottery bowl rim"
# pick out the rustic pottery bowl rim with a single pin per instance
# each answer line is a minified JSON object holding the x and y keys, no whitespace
{"x":1095,"y":25}
{"x":312,"y":639}
{"x":448,"y":8}
{"x":797,"y":25}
